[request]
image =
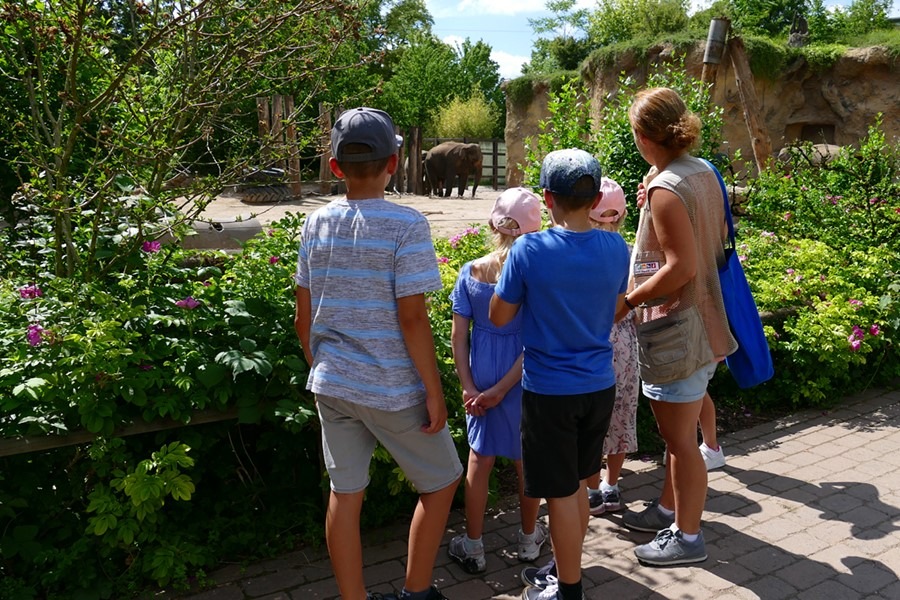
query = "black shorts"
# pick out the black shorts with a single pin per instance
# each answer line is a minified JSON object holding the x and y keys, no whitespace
{"x":562,"y":440}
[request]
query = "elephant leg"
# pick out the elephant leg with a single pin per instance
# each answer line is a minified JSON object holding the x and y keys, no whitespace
{"x":475,"y":182}
{"x":463,"y":180}
{"x":449,"y":180}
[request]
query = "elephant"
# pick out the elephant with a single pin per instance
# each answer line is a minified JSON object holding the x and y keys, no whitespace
{"x":449,"y":160}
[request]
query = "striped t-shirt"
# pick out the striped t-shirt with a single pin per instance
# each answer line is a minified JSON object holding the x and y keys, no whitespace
{"x":356,"y":258}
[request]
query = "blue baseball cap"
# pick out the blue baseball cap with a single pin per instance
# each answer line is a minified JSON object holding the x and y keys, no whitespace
{"x":562,"y":168}
{"x":368,"y":126}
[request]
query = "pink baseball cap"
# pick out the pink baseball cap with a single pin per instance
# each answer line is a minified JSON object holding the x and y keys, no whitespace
{"x":521,"y":205}
{"x":613,"y":199}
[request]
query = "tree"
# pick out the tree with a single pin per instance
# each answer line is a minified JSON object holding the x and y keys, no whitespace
{"x":616,"y":21}
{"x":424,"y":79}
{"x":480,"y":77}
{"x":111,"y":96}
{"x":568,"y":44}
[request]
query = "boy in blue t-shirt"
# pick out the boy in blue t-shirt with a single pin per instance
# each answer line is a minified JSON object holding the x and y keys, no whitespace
{"x":363,"y":269}
{"x":569,"y":282}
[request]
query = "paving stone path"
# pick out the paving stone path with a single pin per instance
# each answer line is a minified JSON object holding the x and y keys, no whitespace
{"x":808,"y":508}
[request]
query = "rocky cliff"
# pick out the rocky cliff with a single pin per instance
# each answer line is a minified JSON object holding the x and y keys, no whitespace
{"x":835,"y":105}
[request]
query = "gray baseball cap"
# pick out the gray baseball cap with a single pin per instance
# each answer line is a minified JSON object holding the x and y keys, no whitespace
{"x":562,"y":168}
{"x":368,"y":126}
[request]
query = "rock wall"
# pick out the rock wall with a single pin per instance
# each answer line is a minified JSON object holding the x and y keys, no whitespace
{"x":522,"y":123}
{"x":835,"y":106}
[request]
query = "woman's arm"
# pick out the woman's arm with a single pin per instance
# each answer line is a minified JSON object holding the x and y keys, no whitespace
{"x":676,"y":238}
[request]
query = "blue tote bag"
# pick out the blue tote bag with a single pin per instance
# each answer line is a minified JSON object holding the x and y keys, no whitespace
{"x":751,"y":364}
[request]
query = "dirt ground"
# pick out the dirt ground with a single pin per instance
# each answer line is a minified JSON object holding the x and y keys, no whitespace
{"x":447,"y":216}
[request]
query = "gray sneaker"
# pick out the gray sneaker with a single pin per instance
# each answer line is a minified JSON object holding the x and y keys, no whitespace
{"x":650,"y":519}
{"x":473,"y":561}
{"x":670,"y":548}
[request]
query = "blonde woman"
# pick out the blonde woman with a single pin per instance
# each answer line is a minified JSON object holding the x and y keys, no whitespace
{"x":682,"y":327}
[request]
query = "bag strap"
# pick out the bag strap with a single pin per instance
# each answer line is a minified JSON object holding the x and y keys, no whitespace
{"x":725,"y":196}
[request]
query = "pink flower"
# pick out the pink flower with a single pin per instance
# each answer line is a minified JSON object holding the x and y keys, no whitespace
{"x":856,"y":304}
{"x":443,"y":260}
{"x":270,"y":232}
{"x":144,"y":367}
{"x":855,"y":344}
{"x":188,"y":303}
{"x":787,"y":216}
{"x":206,"y":283}
{"x":858,"y":333}
{"x":35,"y":334}
{"x":803,"y":188}
{"x":789,"y":271}
{"x":273,"y":260}
{"x":874,"y":329}
{"x":30,"y":291}
{"x":151,"y":247}
{"x":742,"y":257}
{"x":768,"y":234}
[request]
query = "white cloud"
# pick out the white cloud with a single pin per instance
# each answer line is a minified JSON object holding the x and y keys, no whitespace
{"x":444,"y":8}
{"x":454,"y":41}
{"x":510,"y":64}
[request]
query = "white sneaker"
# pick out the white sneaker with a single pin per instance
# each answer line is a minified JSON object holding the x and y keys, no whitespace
{"x":530,"y":550}
{"x":548,"y":593}
{"x":714,"y":459}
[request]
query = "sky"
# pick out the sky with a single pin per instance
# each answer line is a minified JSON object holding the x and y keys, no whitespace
{"x":503,"y":24}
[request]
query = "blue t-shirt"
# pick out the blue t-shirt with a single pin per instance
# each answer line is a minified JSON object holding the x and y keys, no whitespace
{"x":567,"y":284}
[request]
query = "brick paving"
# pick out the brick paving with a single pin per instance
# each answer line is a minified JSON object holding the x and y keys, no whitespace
{"x":808,"y":508}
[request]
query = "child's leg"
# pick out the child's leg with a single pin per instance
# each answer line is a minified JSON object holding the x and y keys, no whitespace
{"x":528,"y":507}
{"x":593,"y":482}
{"x":425,"y":535}
{"x":569,"y":518}
{"x":344,"y":544}
{"x":614,"y":464}
{"x":477,"y":483}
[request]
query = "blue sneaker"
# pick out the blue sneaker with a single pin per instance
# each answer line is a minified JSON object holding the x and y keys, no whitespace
{"x":539,"y":577}
{"x":670,"y":548}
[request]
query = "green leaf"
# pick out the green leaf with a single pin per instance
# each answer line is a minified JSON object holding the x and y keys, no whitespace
{"x":210,"y":374}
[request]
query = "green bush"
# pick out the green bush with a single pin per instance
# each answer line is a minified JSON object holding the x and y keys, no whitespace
{"x":472,"y":118}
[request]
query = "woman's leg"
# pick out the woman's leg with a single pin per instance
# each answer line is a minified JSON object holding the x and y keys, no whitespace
{"x":685,"y":488}
{"x":708,"y":423}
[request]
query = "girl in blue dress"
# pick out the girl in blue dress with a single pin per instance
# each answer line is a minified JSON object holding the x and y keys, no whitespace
{"x":489,"y":365}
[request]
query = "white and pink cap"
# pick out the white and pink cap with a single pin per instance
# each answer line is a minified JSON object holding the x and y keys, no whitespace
{"x":521,"y":205}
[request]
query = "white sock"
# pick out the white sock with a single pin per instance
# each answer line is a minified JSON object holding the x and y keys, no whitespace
{"x":688,"y":537}
{"x":665,"y":510}
{"x":472,"y":544}
{"x":605,"y":487}
{"x":528,"y":537}
{"x":593,"y":490}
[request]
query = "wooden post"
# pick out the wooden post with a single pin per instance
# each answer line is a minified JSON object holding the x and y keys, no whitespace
{"x":417,"y":185}
{"x":715,"y":47}
{"x":324,"y":169}
{"x":263,"y":120}
{"x":278,"y":131}
{"x":759,"y":137}
{"x":293,"y":152}
{"x":495,"y":163}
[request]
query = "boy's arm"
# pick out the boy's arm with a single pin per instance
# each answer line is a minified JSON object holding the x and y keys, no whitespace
{"x":501,"y":312}
{"x":416,"y":330}
{"x":303,"y":320}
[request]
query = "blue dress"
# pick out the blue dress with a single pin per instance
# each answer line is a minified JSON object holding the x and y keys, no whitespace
{"x":492,"y":352}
